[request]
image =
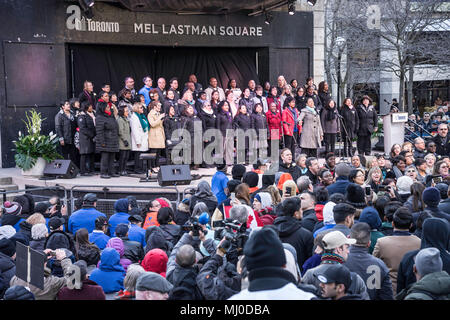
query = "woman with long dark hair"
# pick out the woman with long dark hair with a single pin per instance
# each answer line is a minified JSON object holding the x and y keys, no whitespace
{"x":188,"y":119}
{"x":107,"y":138}
{"x":84,"y":249}
{"x":415,"y":202}
{"x":273,"y":97}
{"x":156,"y":137}
{"x":243,"y":121}
{"x":291,"y":127}
{"x":395,"y":150}
{"x":65,"y":125}
{"x":225,"y":125}
{"x":300,"y":99}
{"x":350,"y":122}
{"x":274,"y":125}
{"x":171,"y":123}
{"x":215,"y":100}
{"x":259,"y":123}
{"x":324,"y":94}
{"x":124,"y":139}
{"x":330,"y":124}
{"x":86,"y":123}
{"x":246,"y":100}
{"x":169,"y":101}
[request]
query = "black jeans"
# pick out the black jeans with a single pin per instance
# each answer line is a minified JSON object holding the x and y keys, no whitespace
{"x":290,"y":144}
{"x":138,"y":164}
{"x":330,"y":142}
{"x":89,"y":160}
{"x":69,"y":152}
{"x":123,"y":158}
{"x":364,"y":145}
{"x":107,"y":163}
{"x":155,"y":163}
{"x":310,"y":152}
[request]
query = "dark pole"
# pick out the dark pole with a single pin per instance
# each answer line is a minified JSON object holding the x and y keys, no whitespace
{"x":339,"y":80}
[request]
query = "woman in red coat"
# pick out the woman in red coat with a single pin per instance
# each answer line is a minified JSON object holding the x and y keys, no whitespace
{"x":291,"y":128}
{"x":274,"y":124}
{"x":273,"y":97}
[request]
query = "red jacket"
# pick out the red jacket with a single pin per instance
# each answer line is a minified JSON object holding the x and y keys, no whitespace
{"x":288,"y":122}
{"x":277,"y":102}
{"x":274,"y":122}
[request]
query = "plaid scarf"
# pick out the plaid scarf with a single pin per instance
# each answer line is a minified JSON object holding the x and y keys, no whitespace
{"x":331,"y":258}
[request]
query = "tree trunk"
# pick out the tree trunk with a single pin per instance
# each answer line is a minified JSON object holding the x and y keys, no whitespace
{"x":410,"y":87}
{"x":401,"y":95}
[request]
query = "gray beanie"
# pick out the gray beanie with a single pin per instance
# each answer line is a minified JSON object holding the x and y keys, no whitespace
{"x":39,"y":231}
{"x":343,"y":169}
{"x":428,"y":261}
{"x":7,"y":231}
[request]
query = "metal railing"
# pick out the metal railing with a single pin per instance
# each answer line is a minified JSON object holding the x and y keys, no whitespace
{"x":4,"y":193}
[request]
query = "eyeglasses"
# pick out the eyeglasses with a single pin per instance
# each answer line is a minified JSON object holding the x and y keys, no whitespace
{"x":410,"y":171}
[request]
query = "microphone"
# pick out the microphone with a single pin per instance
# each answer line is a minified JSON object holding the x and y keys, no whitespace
{"x":339,"y":116}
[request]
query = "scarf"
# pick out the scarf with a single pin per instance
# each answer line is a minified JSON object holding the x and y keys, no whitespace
{"x":92,"y":115}
{"x":312,"y":110}
{"x":294,"y":115}
{"x":144,"y":122}
{"x":331,"y":114}
{"x":331,"y":258}
{"x":89,"y":97}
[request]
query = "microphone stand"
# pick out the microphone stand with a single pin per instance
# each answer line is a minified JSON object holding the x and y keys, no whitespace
{"x":347,"y":137}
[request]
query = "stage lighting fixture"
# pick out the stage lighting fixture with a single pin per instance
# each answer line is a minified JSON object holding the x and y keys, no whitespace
{"x":291,"y":8}
{"x":312,"y":2}
{"x":269,"y":18}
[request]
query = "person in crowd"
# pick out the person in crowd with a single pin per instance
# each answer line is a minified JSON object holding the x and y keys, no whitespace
{"x":330,"y":124}
{"x":87,"y":132}
{"x":419,"y":148}
{"x":287,"y":165}
{"x":308,"y":203}
{"x":209,"y":121}
{"x":312,"y":135}
{"x":84,"y":249}
{"x":151,"y":212}
{"x":161,"y":89}
{"x":395,"y":150}
{"x":368,"y":123}
{"x":287,"y":92}
{"x":124,"y":139}
{"x":370,"y":216}
{"x":341,"y":172}
{"x":136,"y":232}
{"x":65,"y":127}
{"x":430,"y":148}
{"x":435,"y":234}
{"x":117,"y":244}
{"x":107,"y":137}
{"x":330,"y":162}
{"x":301,"y":163}
{"x":431,"y":197}
{"x":274,"y":125}
{"x":312,"y":164}
{"x":391,"y":249}
{"x":259,"y":98}
{"x":432,"y":282}
{"x":188,"y":120}
{"x":121,"y":215}
{"x":214,"y":102}
{"x":414,"y":202}
{"x":133,"y":249}
{"x":197,"y":86}
{"x":110,"y":273}
{"x":361,"y":262}
{"x":291,"y":231}
{"x":171,"y":231}
{"x":324,"y":94}
{"x":264,"y":252}
{"x":326,"y":178}
{"x":335,"y":282}
{"x":357,"y":162}
{"x":58,"y":239}
{"x":233,"y":106}
{"x":274,"y":97}
{"x":281,"y":84}
{"x":251,"y":178}
{"x":300,"y":99}
{"x":343,"y":215}
{"x":152,"y":286}
{"x":204,"y":194}
{"x":99,"y":236}
{"x":442,"y":140}
{"x":155,"y":261}
{"x":233,"y":87}
{"x":444,"y":205}
{"x":374,"y":178}
{"x":431,"y":160}
{"x":39,"y":234}
{"x":129,"y":85}
{"x":421,"y":167}
{"x":404,"y":184}
{"x":225,"y":125}
{"x":262,"y":205}
{"x":129,"y":282}
{"x":139,"y":135}
{"x":148,"y":83}
{"x":88,"y":95}
{"x":291,"y":126}
{"x":126,"y":100}
{"x":213,"y":85}
{"x":259,"y":123}
{"x":336,"y":250}
{"x":7,"y":263}
{"x":156,"y":137}
{"x":219,"y":183}
{"x":85,"y":217}
{"x":242,"y":121}
{"x":312,"y":93}
{"x":247,"y":100}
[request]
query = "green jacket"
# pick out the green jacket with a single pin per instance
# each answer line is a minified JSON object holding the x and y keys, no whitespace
{"x":434,"y":286}
{"x":374,"y":236}
{"x":124,"y":133}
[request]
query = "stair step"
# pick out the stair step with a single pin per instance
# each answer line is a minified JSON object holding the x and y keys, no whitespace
{"x":6,"y":180}
{"x":8,"y":187}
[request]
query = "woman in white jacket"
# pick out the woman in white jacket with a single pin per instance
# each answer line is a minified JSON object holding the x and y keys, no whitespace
{"x":139,"y":135}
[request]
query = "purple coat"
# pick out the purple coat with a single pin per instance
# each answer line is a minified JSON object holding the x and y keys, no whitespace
{"x":117,"y":244}
{"x":89,"y":291}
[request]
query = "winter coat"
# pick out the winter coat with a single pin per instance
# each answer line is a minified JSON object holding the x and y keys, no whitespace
{"x":274,"y":124}
{"x":262,"y":101}
{"x":211,"y":204}
{"x":88,"y":253}
{"x":309,"y":220}
{"x":172,"y":232}
{"x":293,"y":170}
{"x":52,"y":284}
{"x":107,"y":138}
{"x":136,"y":233}
{"x":224,"y":123}
{"x":38,"y":245}
{"x":89,"y":97}
{"x":316,"y":99}
{"x":110,"y":274}
{"x":87,"y":133}
{"x":324,"y":97}
{"x":370,"y":216}
{"x":272,"y":283}
{"x":358,"y":286}
{"x":188,"y":123}
{"x":368,"y":120}
{"x":351,"y":121}
{"x":23,"y":235}
{"x":292,"y":232}
{"x":300,"y":102}
{"x":83,"y":218}
{"x":7,"y":271}
{"x":184,"y":282}
{"x":442,"y":146}
{"x":65,"y":126}
{"x":121,"y":216}
{"x":340,"y":186}
{"x":124,"y":133}
{"x":242,"y":121}
{"x":59,"y":240}
{"x":133,"y":250}
{"x":171,"y":124}
{"x":330,"y":126}
{"x":391,"y":250}
{"x":209,"y":120}
{"x":288,"y":122}
{"x":436,"y":235}
{"x":117,"y":244}
{"x":444,"y":206}
{"x":363,"y":263}
{"x":98,"y":238}
{"x":433,"y":286}
{"x":89,"y":291}
{"x":311,"y":130}
{"x":155,"y":261}
{"x":156,"y":240}
{"x":156,"y":136}
{"x":138,"y":136}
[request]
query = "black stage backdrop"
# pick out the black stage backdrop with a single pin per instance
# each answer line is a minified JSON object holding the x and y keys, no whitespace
{"x":99,"y":64}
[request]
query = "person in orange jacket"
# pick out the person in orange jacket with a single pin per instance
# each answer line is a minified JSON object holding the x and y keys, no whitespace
{"x":291,"y":127}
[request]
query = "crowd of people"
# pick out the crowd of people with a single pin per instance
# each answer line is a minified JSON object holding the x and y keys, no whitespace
{"x":375,"y":228}
{"x":121,"y":126}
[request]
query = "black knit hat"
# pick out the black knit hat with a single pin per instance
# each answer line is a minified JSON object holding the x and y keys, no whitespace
{"x":251,"y":178}
{"x":238,"y":171}
{"x":27,"y":202}
{"x":232,"y":184}
{"x":264,"y":249}
{"x":268,"y":179}
{"x":355,"y":196}
{"x":7,"y":247}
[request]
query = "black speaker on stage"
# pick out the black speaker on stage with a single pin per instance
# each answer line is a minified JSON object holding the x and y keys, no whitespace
{"x":65,"y":169}
{"x":177,"y":174}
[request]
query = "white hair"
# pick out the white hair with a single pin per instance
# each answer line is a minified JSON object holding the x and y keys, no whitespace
{"x":39,"y":231}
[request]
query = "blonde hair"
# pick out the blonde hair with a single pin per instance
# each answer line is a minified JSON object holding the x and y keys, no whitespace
{"x":136,"y":106}
{"x":36,"y":218}
{"x":369,"y":175}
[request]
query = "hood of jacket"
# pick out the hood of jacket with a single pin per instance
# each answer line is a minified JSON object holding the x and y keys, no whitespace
{"x":121,"y":205}
{"x":328,"y":215}
{"x":110,"y":261}
{"x":59,"y":240}
{"x":436,"y":283}
{"x":435,"y":233}
{"x":117,"y":244}
{"x":370,"y":216}
{"x":287,"y":225}
{"x":155,"y":261}
{"x":25,"y":227}
{"x":156,"y":239}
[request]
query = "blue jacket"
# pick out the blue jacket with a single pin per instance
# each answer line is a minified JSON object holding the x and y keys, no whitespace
{"x":121,"y":215}
{"x":99,"y":239}
{"x":110,"y":273}
{"x":218,"y":184}
{"x":325,"y":227}
{"x":339,"y":186}
{"x":84,"y":218}
{"x":136,"y":233}
{"x":373,"y":271}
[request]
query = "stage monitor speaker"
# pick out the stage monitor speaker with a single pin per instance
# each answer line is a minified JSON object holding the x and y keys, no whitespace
{"x":65,"y":169}
{"x":174,"y":175}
